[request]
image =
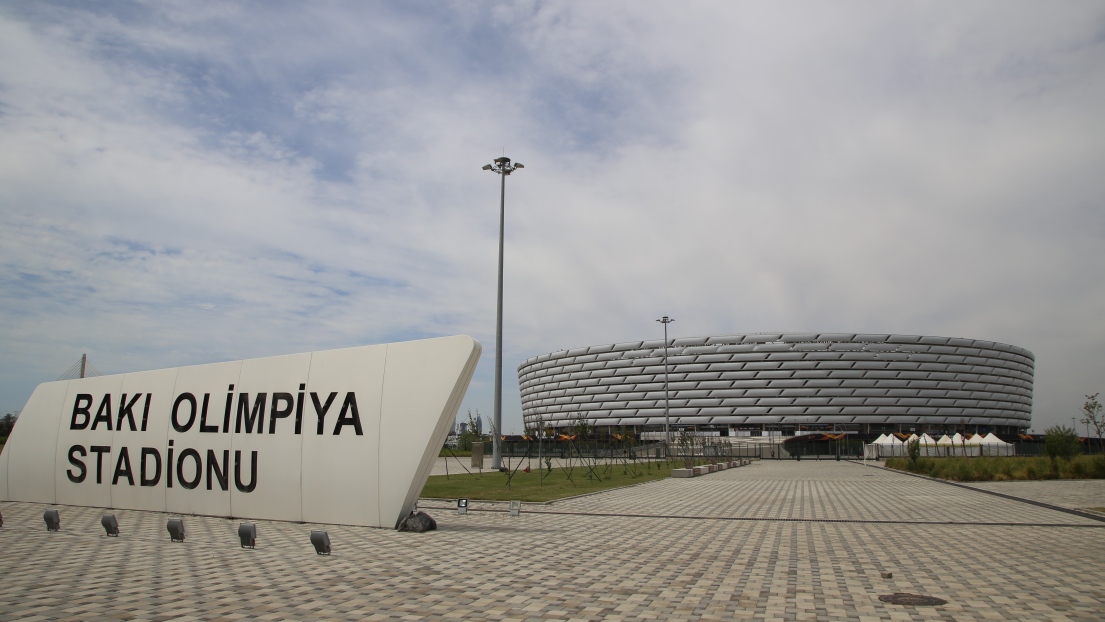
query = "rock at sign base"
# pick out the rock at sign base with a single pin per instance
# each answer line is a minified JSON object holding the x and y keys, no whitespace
{"x":418,"y":522}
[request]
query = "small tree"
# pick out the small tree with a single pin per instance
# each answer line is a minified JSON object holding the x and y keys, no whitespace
{"x":1061,"y":442}
{"x":469,"y":435}
{"x":582,"y":428}
{"x":686,"y":448}
{"x":914,"y":449}
{"x":6,"y":424}
{"x":1093,"y":415}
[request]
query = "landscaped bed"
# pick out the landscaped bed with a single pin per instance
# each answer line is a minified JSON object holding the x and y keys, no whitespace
{"x":492,"y":485}
{"x":995,"y":469}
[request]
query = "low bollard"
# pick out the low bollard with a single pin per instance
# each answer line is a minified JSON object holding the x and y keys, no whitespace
{"x":53,"y":520}
{"x":247,"y":534}
{"x":321,"y":542}
{"x":176,"y":529}
{"x":111,"y":526}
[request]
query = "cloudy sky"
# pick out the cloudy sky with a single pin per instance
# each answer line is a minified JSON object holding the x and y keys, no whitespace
{"x":193,"y":182}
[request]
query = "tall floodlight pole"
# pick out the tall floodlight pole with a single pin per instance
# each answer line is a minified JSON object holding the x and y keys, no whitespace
{"x":667,"y":403}
{"x":502,"y":167}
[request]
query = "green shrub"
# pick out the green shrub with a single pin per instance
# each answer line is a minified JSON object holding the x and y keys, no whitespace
{"x":1097,"y":466}
{"x":1077,"y":469}
{"x":1030,"y":471}
{"x":896,"y":463}
{"x":962,"y":471}
{"x":987,"y":470}
{"x":984,"y":469}
{"x":1061,"y":442}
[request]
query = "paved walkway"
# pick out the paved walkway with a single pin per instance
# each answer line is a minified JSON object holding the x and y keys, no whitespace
{"x":1070,"y":493}
{"x":771,"y":541}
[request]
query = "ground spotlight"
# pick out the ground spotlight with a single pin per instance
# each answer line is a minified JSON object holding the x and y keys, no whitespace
{"x":462,"y":506}
{"x":321,"y":540}
{"x":176,"y":529}
{"x":247,"y":533}
{"x":111,"y":526}
{"x":53,"y":520}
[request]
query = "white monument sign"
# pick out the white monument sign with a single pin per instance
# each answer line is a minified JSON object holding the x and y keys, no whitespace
{"x":340,"y":436}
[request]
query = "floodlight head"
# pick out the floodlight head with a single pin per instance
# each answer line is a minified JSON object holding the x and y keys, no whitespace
{"x":502,"y":161}
{"x":321,"y":542}
{"x":53,"y":520}
{"x":487,"y":167}
{"x":518,"y":165}
{"x":247,"y":533}
{"x":462,"y":506}
{"x":111,"y":526}
{"x":176,"y":529}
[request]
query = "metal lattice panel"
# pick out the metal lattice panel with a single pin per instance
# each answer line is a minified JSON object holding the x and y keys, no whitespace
{"x":784,"y":378}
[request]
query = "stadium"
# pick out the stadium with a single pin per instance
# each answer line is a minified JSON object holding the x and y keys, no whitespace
{"x":785,"y":383}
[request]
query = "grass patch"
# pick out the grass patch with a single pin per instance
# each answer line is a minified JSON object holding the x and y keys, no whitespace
{"x":999,"y":469}
{"x":491,"y":485}
{"x":460,"y":453}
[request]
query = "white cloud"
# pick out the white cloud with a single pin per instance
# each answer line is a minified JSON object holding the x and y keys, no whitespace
{"x":193,"y":182}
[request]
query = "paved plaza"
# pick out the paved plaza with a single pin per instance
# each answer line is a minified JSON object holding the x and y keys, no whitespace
{"x":771,"y":541}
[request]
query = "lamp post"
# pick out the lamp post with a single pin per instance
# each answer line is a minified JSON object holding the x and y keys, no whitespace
{"x":667,"y":402}
{"x":502,"y":167}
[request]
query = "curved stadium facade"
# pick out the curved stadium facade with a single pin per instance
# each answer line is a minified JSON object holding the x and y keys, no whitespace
{"x":786,"y":382}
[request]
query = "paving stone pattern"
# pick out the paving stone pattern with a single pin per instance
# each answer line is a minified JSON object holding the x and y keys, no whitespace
{"x":1068,"y":493}
{"x":743,"y":544}
{"x":816,"y":490}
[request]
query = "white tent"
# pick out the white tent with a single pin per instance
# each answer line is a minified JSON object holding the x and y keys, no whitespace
{"x":994,"y":446}
{"x":945,"y":445}
{"x":888,"y":445}
{"x":969,"y":446}
{"x":928,"y":446}
{"x":872,"y":450}
{"x":960,"y":446}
